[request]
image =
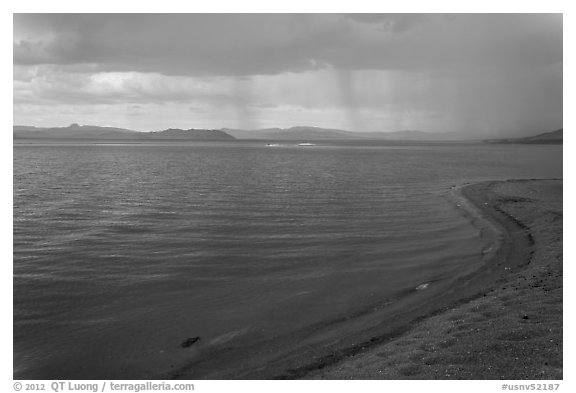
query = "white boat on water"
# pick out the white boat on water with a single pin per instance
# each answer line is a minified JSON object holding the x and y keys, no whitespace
{"x":272,"y":144}
{"x":306,"y":144}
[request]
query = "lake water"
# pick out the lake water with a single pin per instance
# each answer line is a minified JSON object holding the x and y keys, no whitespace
{"x":122,"y":252}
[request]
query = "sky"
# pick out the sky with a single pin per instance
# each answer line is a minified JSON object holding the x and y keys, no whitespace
{"x":475,"y":74}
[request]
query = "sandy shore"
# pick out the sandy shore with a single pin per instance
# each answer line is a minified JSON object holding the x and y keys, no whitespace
{"x":501,"y":321}
{"x":507,"y":324}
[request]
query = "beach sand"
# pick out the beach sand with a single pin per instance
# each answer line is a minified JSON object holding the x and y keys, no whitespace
{"x":507,"y":325}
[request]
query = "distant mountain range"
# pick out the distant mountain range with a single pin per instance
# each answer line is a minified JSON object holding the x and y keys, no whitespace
{"x":190,"y":134}
{"x":553,"y":137}
{"x":75,"y":131}
{"x":300,"y":133}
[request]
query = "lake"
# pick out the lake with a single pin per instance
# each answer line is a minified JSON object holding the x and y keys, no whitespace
{"x":124,"y":251}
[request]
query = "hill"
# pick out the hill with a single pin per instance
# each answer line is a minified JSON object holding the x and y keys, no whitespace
{"x":190,"y":134}
{"x":74,"y":131}
{"x":553,"y":137}
{"x":88,"y":132}
{"x":318,"y":133}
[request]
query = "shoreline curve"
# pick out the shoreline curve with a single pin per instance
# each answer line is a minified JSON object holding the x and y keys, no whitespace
{"x":511,"y":327}
{"x":512,"y":245}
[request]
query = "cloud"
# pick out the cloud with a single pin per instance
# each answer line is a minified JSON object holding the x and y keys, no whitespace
{"x":371,"y":72}
{"x":171,"y":44}
{"x":252,"y":44}
{"x":50,"y":84}
{"x":389,"y":22}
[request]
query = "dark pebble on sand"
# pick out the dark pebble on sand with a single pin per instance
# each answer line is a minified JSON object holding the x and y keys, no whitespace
{"x":190,"y":341}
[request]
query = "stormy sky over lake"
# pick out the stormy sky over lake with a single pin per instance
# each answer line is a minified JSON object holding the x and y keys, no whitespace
{"x":287,"y":196}
{"x":478,"y":74}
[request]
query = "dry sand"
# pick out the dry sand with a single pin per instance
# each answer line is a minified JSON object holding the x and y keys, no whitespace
{"x":512,"y":327}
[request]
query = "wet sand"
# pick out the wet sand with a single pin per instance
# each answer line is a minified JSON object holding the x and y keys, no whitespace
{"x":502,"y":322}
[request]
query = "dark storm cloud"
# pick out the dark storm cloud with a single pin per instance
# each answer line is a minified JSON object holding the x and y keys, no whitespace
{"x":173,"y":44}
{"x":248,"y":44}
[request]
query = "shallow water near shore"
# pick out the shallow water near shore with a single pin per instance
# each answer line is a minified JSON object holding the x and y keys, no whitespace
{"x":123,"y":252}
